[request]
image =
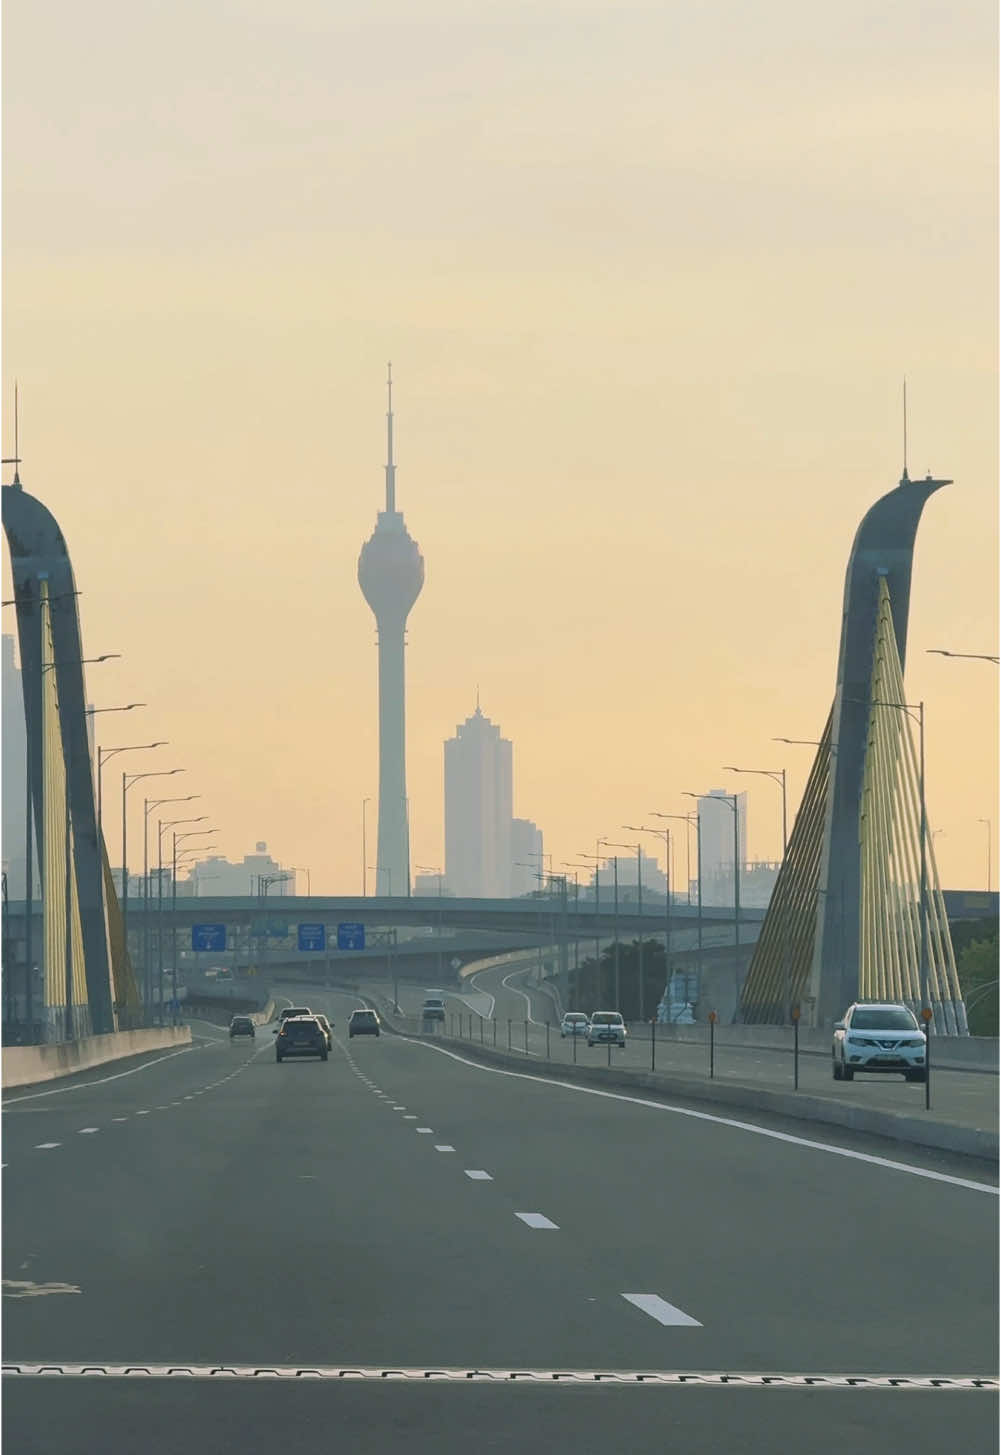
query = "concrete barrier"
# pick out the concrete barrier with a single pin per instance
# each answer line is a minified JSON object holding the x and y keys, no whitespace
{"x":24,"y":1065}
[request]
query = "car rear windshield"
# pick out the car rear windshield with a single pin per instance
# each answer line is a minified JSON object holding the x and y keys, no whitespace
{"x":892,"y":1018}
{"x":605,"y":1018}
{"x":575,"y":1017}
{"x":241,"y":1022}
{"x":295,"y":1010}
{"x":363,"y":1015}
{"x":301,"y":1030}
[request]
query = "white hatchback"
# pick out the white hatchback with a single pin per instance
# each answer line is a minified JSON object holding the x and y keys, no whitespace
{"x":606,"y":1026}
{"x":573,"y":1024}
{"x":877,"y":1036}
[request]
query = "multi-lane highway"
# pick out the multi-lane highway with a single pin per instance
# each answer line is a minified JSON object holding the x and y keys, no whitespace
{"x":400,"y":1210}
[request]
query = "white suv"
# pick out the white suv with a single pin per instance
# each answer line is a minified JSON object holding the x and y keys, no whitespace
{"x":605,"y":1026}
{"x":573,"y":1024}
{"x":878,"y":1037}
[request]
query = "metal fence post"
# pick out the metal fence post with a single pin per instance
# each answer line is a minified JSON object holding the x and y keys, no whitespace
{"x":653,"y":1044}
{"x":495,"y":1031}
{"x":547,"y":1040}
{"x":509,"y":1033}
{"x":481,"y":1030}
{"x":526,"y":1037}
{"x":712,"y":1044}
{"x":926,"y":1017}
{"x":795,"y":1047}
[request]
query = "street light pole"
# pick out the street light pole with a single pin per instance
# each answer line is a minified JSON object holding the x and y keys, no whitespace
{"x":777,"y":775}
{"x":639,"y":905}
{"x":364,"y":849}
{"x":666,"y":835}
{"x":990,"y":829}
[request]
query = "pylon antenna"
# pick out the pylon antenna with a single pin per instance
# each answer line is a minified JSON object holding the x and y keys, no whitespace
{"x":905,"y":475}
{"x":390,"y":465}
{"x":14,"y":459}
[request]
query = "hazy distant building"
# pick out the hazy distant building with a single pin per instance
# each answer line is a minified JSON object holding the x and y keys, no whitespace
{"x":478,"y":799}
{"x":526,"y":850}
{"x":652,"y":875}
{"x":217,"y":876}
{"x":430,"y":885}
{"x":391,"y":575}
{"x":716,"y":827}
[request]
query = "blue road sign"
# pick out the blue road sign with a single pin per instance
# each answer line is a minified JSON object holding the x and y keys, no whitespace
{"x":312,"y":937}
{"x":208,"y":937}
{"x":350,"y":937}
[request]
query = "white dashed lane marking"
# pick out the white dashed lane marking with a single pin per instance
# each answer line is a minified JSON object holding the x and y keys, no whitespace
{"x":424,"y":1131}
{"x":45,"y":1146}
{"x":445,"y":1148}
{"x":658,"y":1308}
{"x":478,"y":1175}
{"x":146,"y":1113}
{"x":537,"y":1220}
{"x":410,"y":1117}
{"x":119,"y":1119}
{"x":84,"y":1130}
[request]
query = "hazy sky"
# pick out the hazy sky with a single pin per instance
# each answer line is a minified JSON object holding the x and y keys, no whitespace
{"x":650,"y":276}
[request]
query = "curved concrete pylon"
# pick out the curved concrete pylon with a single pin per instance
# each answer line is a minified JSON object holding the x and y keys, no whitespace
{"x":39,"y":554}
{"x":883,"y":550}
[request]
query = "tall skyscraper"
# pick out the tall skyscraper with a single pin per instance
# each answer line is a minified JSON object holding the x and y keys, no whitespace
{"x":716,"y":826}
{"x":478,"y":800}
{"x":391,"y":574}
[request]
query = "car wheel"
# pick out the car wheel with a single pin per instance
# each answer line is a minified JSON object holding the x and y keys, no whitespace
{"x":323,"y":1055}
{"x":836,"y":1068}
{"x":278,"y":1058}
{"x":917,"y":1075}
{"x":847,"y":1072}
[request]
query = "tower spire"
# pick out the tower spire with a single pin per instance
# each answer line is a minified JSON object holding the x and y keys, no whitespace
{"x":905,"y":477}
{"x":390,"y":466}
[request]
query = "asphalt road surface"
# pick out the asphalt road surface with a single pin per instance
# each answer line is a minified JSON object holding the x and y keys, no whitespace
{"x":397,"y":1212}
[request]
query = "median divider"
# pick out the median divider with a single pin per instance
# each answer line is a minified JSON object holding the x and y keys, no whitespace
{"x":24,"y":1065}
{"x":918,"y":1131}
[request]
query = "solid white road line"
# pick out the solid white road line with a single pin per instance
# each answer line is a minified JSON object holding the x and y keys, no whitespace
{"x":537,"y":1220}
{"x":528,"y":1004}
{"x":658,"y":1308}
{"x":705,"y":1116}
{"x":445,"y":1148}
{"x":476,"y":1174}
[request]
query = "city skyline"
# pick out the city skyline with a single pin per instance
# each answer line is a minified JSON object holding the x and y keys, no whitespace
{"x":653,"y":381}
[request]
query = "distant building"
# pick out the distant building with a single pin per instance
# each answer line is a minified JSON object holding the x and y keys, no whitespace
{"x":716,"y":827}
{"x":216,"y":876}
{"x":478,"y":799}
{"x":430,"y":885}
{"x":526,"y":850}
{"x":651,"y":875}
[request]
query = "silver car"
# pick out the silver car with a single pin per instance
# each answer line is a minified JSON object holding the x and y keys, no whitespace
{"x":878,"y":1036}
{"x":573,"y":1024}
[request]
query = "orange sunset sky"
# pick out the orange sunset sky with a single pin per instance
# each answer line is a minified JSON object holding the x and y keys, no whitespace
{"x":650,"y":277}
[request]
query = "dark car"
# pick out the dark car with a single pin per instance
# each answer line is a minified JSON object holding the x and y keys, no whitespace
{"x":301,"y":1036}
{"x":327,"y":1029}
{"x":241,"y":1025}
{"x":363,"y":1023}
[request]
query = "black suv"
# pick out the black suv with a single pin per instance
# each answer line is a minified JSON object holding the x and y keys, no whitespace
{"x":241,"y":1025}
{"x":301,"y":1036}
{"x":363,"y":1023}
